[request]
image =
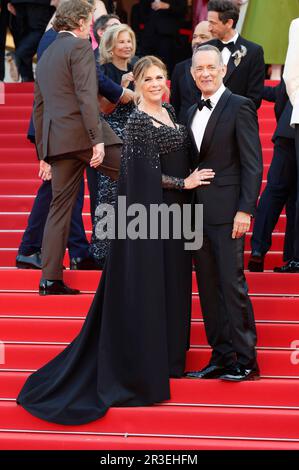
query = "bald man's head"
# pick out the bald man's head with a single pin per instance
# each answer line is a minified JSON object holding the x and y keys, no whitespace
{"x":201,"y":34}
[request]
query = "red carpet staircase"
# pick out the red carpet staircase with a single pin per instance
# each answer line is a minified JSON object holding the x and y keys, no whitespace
{"x":206,"y":414}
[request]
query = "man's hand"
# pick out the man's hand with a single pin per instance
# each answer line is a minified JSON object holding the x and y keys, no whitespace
{"x":241,"y":224}
{"x":127,"y":96}
{"x":11,"y":9}
{"x":44,"y":171}
{"x":97,"y":156}
{"x":160,"y":5}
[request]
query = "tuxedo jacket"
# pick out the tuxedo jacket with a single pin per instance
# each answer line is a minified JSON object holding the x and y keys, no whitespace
{"x":184,"y":92}
{"x":66,"y":112}
{"x":246,"y":79}
{"x":232,"y":148}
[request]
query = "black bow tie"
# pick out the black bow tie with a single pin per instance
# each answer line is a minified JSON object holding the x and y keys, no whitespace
{"x":202,"y":103}
{"x":230,"y":45}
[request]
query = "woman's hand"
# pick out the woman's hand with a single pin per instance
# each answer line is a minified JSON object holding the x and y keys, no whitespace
{"x":198,"y":178}
{"x":127,"y":78}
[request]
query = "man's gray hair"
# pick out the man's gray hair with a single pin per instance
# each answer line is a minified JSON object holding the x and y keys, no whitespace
{"x":207,"y":48}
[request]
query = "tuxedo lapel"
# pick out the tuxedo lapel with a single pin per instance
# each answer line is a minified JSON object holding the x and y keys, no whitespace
{"x":231,"y":63}
{"x":208,"y":135}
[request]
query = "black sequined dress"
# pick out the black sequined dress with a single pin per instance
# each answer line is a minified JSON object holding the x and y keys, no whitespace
{"x":136,"y":332}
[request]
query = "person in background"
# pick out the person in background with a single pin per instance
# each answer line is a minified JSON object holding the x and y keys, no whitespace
{"x":267,"y":23}
{"x":31,"y":19}
{"x":117,"y":48}
{"x":200,"y":11}
{"x":244,"y":59}
{"x":99,"y":27}
{"x":281,"y":187}
{"x":184,"y":92}
{"x":162,"y":21}
{"x":291,"y":78}
{"x":8,"y":21}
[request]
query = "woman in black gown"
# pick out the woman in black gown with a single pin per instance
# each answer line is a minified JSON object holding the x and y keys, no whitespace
{"x":136,"y":332}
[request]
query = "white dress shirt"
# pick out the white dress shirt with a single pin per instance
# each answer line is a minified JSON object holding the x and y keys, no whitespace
{"x":291,"y":70}
{"x":70,"y":32}
{"x":201,"y":118}
{"x":226,"y":53}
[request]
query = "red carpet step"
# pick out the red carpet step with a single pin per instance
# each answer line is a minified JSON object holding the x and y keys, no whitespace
{"x":63,"y":330}
{"x":259,"y":283}
{"x":271,"y":308}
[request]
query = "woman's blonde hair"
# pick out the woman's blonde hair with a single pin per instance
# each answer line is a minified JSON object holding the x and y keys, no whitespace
{"x":70,"y":12}
{"x":109,"y":39}
{"x":139,"y":71}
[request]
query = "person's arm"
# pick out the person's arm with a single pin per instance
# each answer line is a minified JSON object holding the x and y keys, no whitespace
{"x":291,"y":69}
{"x":107,"y":87}
{"x":250,"y":151}
{"x":256,"y":78}
{"x":85,"y":84}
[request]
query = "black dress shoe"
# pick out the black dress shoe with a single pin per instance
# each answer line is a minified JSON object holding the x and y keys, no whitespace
{"x":47,"y":287}
{"x":239,"y":373}
{"x":86,"y":264}
{"x":256,"y":262}
{"x":211,"y":371}
{"x":291,"y":267}
{"x":33,"y":261}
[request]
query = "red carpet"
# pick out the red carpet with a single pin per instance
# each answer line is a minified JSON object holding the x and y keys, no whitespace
{"x":201,"y":414}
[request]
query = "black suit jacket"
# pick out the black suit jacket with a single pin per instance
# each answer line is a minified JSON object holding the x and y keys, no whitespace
{"x":232,"y":148}
{"x":184,"y":92}
{"x":283,"y":110}
{"x":246,"y":79}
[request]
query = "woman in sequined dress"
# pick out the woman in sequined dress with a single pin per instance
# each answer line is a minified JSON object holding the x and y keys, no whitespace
{"x":136,"y":332}
{"x":117,"y":48}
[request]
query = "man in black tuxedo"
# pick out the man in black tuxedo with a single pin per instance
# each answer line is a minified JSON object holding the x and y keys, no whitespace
{"x":244,"y":59}
{"x":280,"y":190}
{"x":184,"y":92}
{"x":224,"y":131}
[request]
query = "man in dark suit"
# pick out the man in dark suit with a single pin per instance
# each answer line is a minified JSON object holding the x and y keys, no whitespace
{"x":32,"y":18}
{"x":244,"y":59}
{"x":224,"y":131}
{"x":162,"y":21}
{"x":280,"y":189}
{"x":184,"y":92}
{"x":68,"y":135}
